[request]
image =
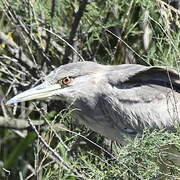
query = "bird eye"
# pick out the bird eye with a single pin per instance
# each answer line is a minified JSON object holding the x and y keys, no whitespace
{"x":66,"y":80}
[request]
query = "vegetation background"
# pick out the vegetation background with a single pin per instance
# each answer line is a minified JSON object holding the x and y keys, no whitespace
{"x":40,"y":140}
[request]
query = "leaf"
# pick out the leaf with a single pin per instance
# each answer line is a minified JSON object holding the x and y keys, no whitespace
{"x":19,"y":149}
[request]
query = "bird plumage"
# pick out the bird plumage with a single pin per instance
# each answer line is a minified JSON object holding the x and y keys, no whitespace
{"x":115,"y":100}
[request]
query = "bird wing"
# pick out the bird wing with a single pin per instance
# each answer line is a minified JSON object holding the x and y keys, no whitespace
{"x":146,"y":98}
{"x":156,"y":75}
{"x":137,"y":74}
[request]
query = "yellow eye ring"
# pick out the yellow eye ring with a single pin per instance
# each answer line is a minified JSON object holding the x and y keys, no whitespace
{"x":66,"y":80}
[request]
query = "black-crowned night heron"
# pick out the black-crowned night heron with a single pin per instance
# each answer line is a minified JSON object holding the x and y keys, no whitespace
{"x":113,"y":100}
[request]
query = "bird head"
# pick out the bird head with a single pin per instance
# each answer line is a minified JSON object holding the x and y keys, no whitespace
{"x":68,"y":82}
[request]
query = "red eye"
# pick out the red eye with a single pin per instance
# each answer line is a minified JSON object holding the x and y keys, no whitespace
{"x":66,"y":80}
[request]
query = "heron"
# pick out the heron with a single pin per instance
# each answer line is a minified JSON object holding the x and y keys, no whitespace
{"x":116,"y":101}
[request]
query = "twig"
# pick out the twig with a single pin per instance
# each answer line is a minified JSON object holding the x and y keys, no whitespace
{"x":13,"y":123}
{"x":65,"y":42}
{"x":16,"y":51}
{"x":58,"y":158}
{"x":77,"y":18}
{"x":20,"y":124}
{"x":128,"y":46}
{"x":49,"y":34}
{"x":53,"y":127}
{"x":4,"y":81}
{"x":169,"y":6}
{"x":17,"y":20}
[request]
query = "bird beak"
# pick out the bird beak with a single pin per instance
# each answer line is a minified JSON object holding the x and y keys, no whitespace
{"x":41,"y":91}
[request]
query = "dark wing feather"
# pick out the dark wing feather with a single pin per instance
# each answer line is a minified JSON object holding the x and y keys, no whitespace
{"x":157,"y":75}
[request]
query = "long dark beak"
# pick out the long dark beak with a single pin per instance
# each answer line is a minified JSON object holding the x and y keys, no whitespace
{"x":41,"y":91}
